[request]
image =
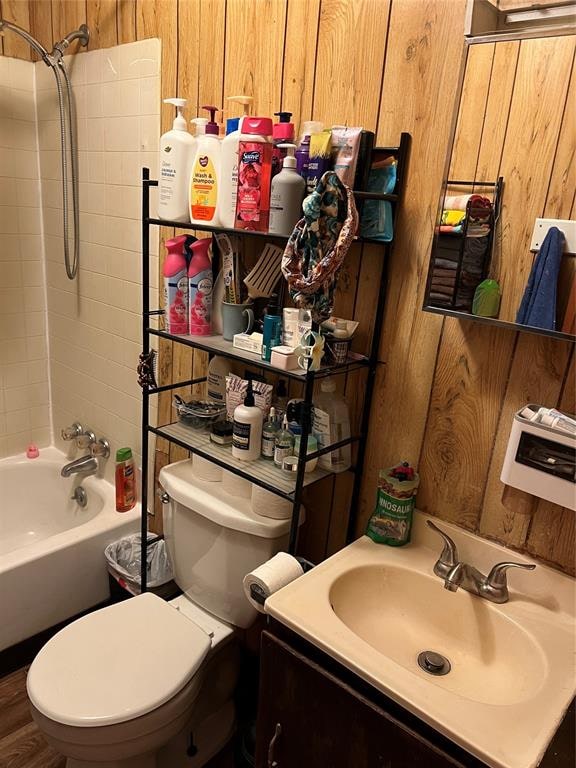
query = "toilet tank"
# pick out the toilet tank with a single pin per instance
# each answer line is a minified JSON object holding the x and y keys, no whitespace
{"x":214,"y":539}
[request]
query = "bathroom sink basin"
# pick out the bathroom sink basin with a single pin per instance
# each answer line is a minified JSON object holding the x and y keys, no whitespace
{"x":508,"y":671}
{"x":401,"y":613}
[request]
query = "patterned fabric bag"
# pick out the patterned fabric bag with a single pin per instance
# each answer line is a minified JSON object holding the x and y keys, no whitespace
{"x":318,"y":245}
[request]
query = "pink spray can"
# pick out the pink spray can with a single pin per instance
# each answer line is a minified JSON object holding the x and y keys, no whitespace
{"x":200,"y":282}
{"x":176,"y":286}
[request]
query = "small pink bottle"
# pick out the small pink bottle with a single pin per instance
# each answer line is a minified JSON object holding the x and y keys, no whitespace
{"x":200,"y":282}
{"x":176,"y":286}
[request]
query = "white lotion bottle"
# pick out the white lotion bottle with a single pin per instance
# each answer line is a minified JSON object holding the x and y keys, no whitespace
{"x":247,"y":429}
{"x":176,"y":155}
{"x":229,"y":168}
{"x":286,"y":195}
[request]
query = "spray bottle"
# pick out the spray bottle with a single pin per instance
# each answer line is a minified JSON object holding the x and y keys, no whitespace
{"x":176,"y":155}
{"x":176,"y":286}
{"x":200,"y":282}
{"x":229,"y":166}
{"x":205,"y":176}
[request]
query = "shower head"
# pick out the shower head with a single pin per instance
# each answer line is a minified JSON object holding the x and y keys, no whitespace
{"x":32,"y":42}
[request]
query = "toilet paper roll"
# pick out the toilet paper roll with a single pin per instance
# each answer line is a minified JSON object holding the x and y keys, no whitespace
{"x":236,"y":486}
{"x":269,"y":504}
{"x":269,"y":577}
{"x":206,"y":470}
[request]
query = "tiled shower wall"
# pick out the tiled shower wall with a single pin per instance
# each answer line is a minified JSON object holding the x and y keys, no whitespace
{"x":24,"y":388}
{"x":94,"y":322}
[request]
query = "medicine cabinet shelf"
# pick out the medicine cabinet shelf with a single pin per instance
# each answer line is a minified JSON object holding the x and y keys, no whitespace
{"x":217,"y":345}
{"x":288,"y":485}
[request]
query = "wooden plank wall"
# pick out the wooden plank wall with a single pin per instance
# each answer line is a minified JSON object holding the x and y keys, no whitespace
{"x":446,"y":390}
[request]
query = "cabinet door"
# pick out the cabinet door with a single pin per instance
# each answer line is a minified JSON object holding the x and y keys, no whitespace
{"x":323,"y":723}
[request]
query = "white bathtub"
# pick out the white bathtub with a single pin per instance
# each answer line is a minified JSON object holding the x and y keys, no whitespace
{"x":52,"y":562}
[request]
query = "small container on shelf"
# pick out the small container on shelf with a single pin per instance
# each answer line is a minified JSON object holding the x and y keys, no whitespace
{"x":199,"y":414}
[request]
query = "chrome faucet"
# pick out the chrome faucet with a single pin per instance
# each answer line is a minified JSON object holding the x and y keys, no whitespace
{"x":448,"y":567}
{"x":86,"y":465}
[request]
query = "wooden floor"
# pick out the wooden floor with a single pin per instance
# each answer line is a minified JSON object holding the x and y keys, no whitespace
{"x":21,"y":743}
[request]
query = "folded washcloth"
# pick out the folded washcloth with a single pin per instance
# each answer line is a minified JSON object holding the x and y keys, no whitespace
{"x":452,"y":218}
{"x":538,"y":305}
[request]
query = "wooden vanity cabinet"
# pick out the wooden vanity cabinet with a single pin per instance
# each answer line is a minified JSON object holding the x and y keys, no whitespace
{"x":324,"y":722}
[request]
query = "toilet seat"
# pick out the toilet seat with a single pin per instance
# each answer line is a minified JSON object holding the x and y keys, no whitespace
{"x":100,"y":670}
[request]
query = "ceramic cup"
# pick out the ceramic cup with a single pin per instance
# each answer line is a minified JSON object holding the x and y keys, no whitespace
{"x":236,"y":318}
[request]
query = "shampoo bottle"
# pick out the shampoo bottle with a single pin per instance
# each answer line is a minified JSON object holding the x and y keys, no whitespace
{"x":205,"y":176}
{"x":286,"y":196}
{"x":125,"y":480}
{"x":254,"y":174}
{"x":282,"y":134}
{"x":176,"y":154}
{"x":229,"y":165}
{"x":176,"y":286}
{"x":200,"y":288}
{"x":247,"y":430}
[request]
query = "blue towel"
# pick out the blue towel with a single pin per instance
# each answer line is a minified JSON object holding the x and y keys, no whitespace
{"x":538,"y":305}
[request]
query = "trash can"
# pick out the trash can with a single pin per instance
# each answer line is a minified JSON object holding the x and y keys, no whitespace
{"x":123,"y":558}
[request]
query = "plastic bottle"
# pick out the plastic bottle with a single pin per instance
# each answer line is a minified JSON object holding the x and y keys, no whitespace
{"x":125,"y":480}
{"x":286,"y":196}
{"x":229,"y":166}
{"x":280,"y":400}
{"x":331,"y":425}
{"x":269,"y":432}
{"x":254,"y":174}
{"x":200,"y":124}
{"x":200,"y":283}
{"x":303,"y":152}
{"x":311,"y":447}
{"x":176,"y":286}
{"x":205,"y":176}
{"x":218,"y":368}
{"x":284,"y":443}
{"x":272,"y":330}
{"x":247,"y":429}
{"x":176,"y":155}
{"x":282,"y":133}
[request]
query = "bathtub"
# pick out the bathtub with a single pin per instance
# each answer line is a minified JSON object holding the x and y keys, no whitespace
{"x":52,"y":562}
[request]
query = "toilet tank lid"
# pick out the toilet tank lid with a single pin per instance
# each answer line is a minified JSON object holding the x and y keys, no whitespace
{"x":211,"y":501}
{"x":104,"y":668}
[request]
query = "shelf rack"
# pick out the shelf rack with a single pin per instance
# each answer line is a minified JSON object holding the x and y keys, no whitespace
{"x":261,"y":472}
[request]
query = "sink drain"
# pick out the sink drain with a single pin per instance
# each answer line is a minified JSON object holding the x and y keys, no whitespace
{"x":434,"y":663}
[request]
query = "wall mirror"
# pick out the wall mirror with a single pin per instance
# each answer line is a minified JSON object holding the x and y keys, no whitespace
{"x":513,"y":148}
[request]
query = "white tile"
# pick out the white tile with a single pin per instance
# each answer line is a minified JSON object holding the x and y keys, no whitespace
{"x":11,"y":327}
{"x":123,"y":201}
{"x":113,"y":167}
{"x":21,"y":74}
{"x":130,"y":97}
{"x":123,"y":233}
{"x":93,"y":66}
{"x":110,"y":64}
{"x":92,"y":198}
{"x":25,"y":163}
{"x":93,"y":228}
{"x":49,"y":134}
{"x":149,"y":132}
{"x":94,"y":100}
{"x":47,"y":104}
{"x":22,"y":105}
{"x":149,"y":88}
{"x":80,"y":100}
{"x":95,"y":134}
{"x":28,"y":192}
{"x":44,"y":77}
{"x":24,"y":135}
{"x":9,"y":220}
{"x":7,"y":164}
{"x":50,"y":164}
{"x":13,"y":351}
{"x":122,"y":134}
{"x":76,"y":67}
{"x":7,"y":191}
{"x":31,"y":248}
{"x":96,"y":172}
{"x":5,"y":71}
{"x":29,"y":221}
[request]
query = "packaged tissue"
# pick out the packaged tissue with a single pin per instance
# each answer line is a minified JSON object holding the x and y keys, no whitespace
{"x":391,"y":521}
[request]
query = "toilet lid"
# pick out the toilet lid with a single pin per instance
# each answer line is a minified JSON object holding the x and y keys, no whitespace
{"x":117,"y":663}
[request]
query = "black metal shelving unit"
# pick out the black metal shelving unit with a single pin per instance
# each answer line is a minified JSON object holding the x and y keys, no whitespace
{"x":261,"y":472}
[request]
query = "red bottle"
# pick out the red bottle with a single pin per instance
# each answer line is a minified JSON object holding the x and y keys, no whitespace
{"x":125,"y":480}
{"x":254,"y":174}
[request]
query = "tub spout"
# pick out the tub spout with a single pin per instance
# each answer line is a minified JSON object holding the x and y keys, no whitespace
{"x":86,"y":465}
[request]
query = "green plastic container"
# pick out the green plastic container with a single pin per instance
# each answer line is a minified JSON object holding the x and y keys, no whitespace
{"x":391,"y":521}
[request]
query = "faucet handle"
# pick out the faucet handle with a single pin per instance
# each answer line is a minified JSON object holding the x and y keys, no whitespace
{"x":86,"y":439}
{"x":100,"y":449}
{"x":497,"y":576}
{"x":449,"y":555}
{"x":72,"y":432}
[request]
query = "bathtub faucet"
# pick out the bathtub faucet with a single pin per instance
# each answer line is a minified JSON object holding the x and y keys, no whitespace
{"x":86,"y":465}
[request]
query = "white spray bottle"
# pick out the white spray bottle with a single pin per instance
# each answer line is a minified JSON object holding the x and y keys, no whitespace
{"x":177,"y":149}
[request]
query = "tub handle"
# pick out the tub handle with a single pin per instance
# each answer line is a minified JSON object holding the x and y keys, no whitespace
{"x":72,"y":432}
{"x":100,"y":449}
{"x":163,"y":496}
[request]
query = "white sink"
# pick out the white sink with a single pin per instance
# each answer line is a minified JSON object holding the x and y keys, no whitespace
{"x":376,"y":608}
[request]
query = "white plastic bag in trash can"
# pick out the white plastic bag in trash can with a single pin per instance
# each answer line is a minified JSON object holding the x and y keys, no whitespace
{"x":124,"y":557}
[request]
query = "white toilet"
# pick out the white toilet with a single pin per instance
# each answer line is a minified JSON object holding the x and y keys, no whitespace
{"x":147,"y":683}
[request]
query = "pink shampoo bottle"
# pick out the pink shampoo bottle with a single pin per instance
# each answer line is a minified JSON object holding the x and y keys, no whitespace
{"x":176,"y":286}
{"x":200,"y":282}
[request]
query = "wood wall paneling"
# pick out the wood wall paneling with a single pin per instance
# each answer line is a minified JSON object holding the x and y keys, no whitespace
{"x":18,"y":13}
{"x":445,"y":391}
